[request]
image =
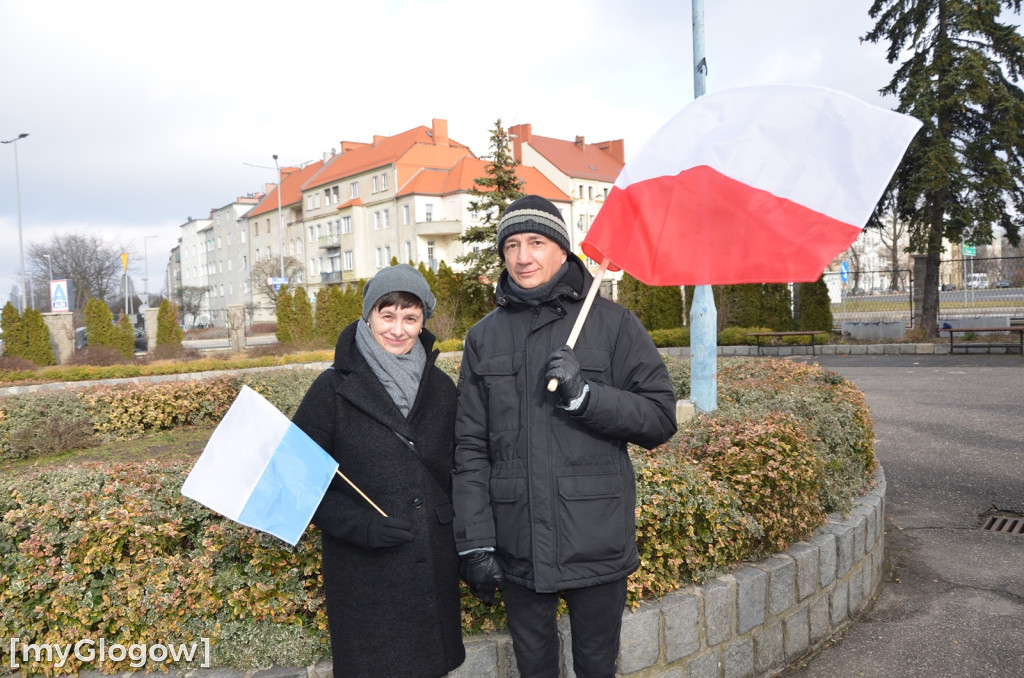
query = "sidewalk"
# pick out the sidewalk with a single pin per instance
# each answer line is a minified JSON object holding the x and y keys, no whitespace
{"x":950,"y":435}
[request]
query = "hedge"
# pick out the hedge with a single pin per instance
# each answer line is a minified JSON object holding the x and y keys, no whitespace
{"x":114,"y":551}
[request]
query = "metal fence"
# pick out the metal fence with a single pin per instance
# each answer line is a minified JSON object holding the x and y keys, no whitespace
{"x":968,"y":287}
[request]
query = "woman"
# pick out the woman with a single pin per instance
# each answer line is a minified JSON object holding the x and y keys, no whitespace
{"x":386,"y":413}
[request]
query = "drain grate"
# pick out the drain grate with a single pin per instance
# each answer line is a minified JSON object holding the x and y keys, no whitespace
{"x":1004,"y":524}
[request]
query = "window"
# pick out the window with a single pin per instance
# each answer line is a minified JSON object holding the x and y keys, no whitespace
{"x":384,"y":182}
{"x":354,"y":188}
{"x":376,"y":184}
{"x":408,"y":250}
{"x":327,"y":196}
{"x":380,"y":258}
{"x":318,"y":230}
{"x":387,"y":255}
{"x":581,"y":191}
{"x":229,"y":266}
{"x":231,"y":289}
{"x":429,"y":211}
{"x":311,"y":233}
{"x":229,"y":240}
{"x":245,"y":263}
{"x":346,"y":224}
{"x":334,"y":195}
{"x":348,"y":261}
{"x":386,"y":218}
{"x":268,"y":226}
{"x":316,"y":200}
{"x":405,"y":215}
{"x":246,"y":288}
{"x":309,"y":201}
{"x":298,"y":246}
{"x":292,"y":248}
{"x":256,"y":258}
{"x":218,"y":242}
{"x":590,"y":192}
{"x":376,"y":220}
{"x":241,"y":237}
{"x":312,"y":266}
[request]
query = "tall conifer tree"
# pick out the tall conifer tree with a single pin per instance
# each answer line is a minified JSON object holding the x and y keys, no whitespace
{"x":964,"y":171}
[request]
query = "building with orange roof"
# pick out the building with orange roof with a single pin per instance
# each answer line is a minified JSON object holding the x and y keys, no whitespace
{"x":584,"y":171}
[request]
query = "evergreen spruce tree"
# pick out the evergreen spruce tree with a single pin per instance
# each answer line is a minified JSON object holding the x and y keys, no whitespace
{"x":351,"y":306}
{"x":10,"y":322}
{"x":284,"y":316}
{"x":36,"y":339}
{"x":815,"y":306}
{"x":633,"y":295}
{"x":665,"y":308}
{"x":123,"y":336}
{"x":776,"y":309}
{"x":321,"y":311}
{"x":964,"y":171}
{"x":168,"y":326}
{"x":491,"y":195}
{"x":99,"y":324}
{"x":302,"y":316}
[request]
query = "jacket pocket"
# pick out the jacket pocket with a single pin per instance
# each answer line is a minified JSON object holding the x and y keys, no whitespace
{"x":500,"y":375}
{"x":510,"y":506}
{"x":595,"y":363}
{"x":445,"y":514}
{"x":591,"y":518}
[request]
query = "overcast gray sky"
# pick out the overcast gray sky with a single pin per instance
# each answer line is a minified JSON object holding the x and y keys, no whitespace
{"x":143,"y":114}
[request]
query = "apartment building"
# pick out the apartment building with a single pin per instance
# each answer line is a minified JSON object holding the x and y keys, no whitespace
{"x":359,"y":211}
{"x":277,"y":244}
{"x":583,"y":171}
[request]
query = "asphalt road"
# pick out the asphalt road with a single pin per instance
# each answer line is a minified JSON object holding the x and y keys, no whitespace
{"x":950,"y":437}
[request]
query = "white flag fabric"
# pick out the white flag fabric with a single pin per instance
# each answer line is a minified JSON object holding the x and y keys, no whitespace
{"x":750,"y":185}
{"x":260,"y":470}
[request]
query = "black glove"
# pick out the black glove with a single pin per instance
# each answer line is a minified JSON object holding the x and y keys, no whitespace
{"x":383,"y":532}
{"x":563,"y":366}
{"x":481,"y":571}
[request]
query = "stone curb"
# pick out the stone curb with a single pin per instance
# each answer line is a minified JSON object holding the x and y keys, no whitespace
{"x":750,"y":623}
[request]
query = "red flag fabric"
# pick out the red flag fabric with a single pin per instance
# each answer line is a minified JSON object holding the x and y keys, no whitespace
{"x":750,"y":185}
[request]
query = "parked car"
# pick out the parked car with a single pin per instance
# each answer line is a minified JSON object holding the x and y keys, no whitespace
{"x":1001,"y":283}
{"x":947,"y":287}
{"x":141,"y":340}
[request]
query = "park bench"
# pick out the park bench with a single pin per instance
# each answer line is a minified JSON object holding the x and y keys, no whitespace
{"x":984,"y":330}
{"x":796,"y":333}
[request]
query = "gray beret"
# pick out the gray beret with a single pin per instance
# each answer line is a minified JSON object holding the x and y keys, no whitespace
{"x":398,"y":278}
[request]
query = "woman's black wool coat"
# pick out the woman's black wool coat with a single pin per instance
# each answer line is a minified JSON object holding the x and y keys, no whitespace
{"x":392,"y":611}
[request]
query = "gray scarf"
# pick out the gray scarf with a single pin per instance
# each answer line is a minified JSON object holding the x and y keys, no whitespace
{"x":538,"y":294}
{"x":400,"y":374}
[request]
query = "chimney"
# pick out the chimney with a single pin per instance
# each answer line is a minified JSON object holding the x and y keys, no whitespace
{"x":579,"y":142}
{"x":616,"y":149}
{"x":521,"y":134}
{"x":440,"y":131}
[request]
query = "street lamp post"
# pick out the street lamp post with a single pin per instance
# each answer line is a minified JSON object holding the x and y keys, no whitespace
{"x":145,"y":254}
{"x":17,"y":193}
{"x":280,"y":222}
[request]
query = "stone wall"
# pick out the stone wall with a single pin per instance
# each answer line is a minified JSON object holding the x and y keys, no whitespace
{"x":750,"y":623}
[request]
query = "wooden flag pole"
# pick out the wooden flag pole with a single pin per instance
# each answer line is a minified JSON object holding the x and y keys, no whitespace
{"x":587,"y":303}
{"x":353,"y":486}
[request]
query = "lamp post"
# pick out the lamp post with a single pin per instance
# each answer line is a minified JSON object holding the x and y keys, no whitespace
{"x":49,"y":266}
{"x":17,"y":193}
{"x":280,"y":222}
{"x":145,"y":254}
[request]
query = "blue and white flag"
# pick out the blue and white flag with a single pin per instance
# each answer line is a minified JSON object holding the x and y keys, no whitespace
{"x":259,"y":469}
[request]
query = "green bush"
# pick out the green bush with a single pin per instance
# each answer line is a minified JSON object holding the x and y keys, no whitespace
{"x":671,"y":338}
{"x":36,"y":337}
{"x":168,"y":325}
{"x":99,"y":324}
{"x":91,"y":551}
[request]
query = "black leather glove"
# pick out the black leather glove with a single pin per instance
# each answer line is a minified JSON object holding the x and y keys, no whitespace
{"x":383,"y":532}
{"x":563,"y":366}
{"x":482,"y":572}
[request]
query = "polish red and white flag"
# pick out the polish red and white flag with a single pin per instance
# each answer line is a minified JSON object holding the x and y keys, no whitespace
{"x":750,"y":185}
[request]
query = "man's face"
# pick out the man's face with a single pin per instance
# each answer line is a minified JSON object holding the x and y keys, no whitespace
{"x":532,"y":259}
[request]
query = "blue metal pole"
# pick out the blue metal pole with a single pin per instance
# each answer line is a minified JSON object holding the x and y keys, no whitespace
{"x":703,"y":314}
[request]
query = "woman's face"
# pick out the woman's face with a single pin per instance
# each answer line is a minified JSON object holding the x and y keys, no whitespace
{"x":396,"y":329}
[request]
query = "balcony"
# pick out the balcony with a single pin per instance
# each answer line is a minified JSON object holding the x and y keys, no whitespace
{"x":330,"y":277}
{"x":434,"y":227}
{"x":330,"y":241}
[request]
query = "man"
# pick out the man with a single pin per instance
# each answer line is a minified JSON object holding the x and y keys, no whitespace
{"x":544,"y":490}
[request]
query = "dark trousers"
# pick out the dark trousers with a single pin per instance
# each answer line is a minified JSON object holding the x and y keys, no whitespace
{"x":595,"y":617}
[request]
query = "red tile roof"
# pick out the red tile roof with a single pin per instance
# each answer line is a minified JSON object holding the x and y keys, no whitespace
{"x":409,"y":152}
{"x":600,"y":161}
{"x":460,"y":178}
{"x":291,"y":193}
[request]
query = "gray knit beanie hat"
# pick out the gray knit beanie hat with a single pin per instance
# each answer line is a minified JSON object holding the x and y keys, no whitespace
{"x":532,"y":214}
{"x":398,"y":278}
